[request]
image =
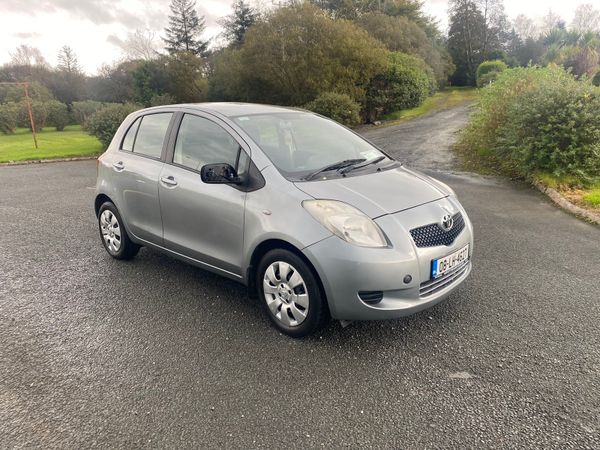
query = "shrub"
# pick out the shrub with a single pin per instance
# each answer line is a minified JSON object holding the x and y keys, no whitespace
{"x":488,"y":71}
{"x":401,"y":34}
{"x":39,"y":112}
{"x":8,"y":117}
{"x":596,"y":79}
{"x":83,"y":110}
{"x":339,"y":107}
{"x":537,"y":120}
{"x":298,"y":52}
{"x":162,"y":99}
{"x":104,"y":123}
{"x":58,"y":114}
{"x":403,"y":84}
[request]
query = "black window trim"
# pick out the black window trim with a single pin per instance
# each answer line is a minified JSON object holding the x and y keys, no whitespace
{"x":166,"y":140}
{"x":243,"y":146}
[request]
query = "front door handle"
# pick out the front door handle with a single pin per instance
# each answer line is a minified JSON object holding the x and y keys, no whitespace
{"x":119,"y":166}
{"x":169,"y":181}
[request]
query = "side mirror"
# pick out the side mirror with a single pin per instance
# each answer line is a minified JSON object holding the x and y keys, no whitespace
{"x":221,"y":173}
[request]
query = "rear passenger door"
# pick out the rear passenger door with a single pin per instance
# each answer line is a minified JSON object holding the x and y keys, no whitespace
{"x":204,"y":221}
{"x":137,"y":165}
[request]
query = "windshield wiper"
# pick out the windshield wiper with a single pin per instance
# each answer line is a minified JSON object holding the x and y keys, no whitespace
{"x":361,"y":164}
{"x":335,"y":166}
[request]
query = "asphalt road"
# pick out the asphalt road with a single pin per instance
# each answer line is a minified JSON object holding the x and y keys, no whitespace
{"x":155,"y":353}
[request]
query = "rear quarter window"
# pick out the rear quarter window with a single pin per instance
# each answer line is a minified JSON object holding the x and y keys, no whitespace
{"x":151,"y":134}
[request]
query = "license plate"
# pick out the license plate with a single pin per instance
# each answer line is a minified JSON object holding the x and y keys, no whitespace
{"x":441,"y":266}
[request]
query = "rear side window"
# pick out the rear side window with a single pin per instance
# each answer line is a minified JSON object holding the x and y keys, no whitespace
{"x":201,"y":141}
{"x":129,"y":138}
{"x":151,"y":134}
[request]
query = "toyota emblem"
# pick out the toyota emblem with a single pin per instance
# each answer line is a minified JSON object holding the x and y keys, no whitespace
{"x":447,"y":222}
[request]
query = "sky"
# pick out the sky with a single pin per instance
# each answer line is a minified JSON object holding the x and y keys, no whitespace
{"x":95,"y":28}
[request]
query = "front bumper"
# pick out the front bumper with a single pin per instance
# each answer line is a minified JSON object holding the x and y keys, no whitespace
{"x":345,"y":269}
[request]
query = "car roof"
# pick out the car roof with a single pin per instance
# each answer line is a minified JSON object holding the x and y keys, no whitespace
{"x":231,"y":109}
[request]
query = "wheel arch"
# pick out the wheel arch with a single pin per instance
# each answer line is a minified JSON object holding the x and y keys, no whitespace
{"x":272,"y":244}
{"x":99,"y":201}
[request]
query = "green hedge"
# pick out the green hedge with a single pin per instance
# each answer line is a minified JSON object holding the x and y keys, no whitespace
{"x":339,"y":107}
{"x":537,"y":120}
{"x":58,"y":114}
{"x":104,"y":123}
{"x":488,"y":71}
{"x":9,"y":113}
{"x":403,"y":84}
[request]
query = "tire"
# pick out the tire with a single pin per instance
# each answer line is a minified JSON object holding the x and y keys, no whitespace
{"x":113,"y":235}
{"x":290,"y":293}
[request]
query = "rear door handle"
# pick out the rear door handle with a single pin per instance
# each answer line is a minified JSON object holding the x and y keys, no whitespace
{"x":119,"y":166}
{"x":169,"y":181}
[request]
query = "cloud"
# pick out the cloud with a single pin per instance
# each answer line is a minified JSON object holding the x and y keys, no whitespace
{"x":25,"y":35}
{"x":115,"y":40}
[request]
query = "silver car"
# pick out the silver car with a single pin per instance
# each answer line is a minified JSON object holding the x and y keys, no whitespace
{"x":315,"y":220}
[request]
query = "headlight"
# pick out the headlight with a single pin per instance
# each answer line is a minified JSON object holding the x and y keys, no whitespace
{"x":346,"y":222}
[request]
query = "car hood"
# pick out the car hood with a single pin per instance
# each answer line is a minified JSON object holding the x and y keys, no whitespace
{"x":378,"y":193}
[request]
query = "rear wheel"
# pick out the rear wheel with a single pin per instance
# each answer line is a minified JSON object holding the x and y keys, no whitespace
{"x":290,"y":294}
{"x":113,"y":233}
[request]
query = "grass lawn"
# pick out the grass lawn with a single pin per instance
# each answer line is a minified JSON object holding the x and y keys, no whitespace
{"x":52,"y":144}
{"x":445,"y":99}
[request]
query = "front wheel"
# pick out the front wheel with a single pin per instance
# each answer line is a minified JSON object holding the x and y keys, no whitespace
{"x":113,"y":233}
{"x":290,"y":293}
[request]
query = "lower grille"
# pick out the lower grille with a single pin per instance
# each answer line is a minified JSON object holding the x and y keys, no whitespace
{"x":430,"y":287}
{"x":433,"y":234}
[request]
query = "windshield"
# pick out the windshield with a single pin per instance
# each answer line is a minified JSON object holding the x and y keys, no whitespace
{"x":299,"y":144}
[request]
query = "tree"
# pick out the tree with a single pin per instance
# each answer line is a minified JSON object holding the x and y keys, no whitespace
{"x":140,"y":45}
{"x":525,"y":27}
{"x":237,"y":23}
{"x":466,"y":37}
{"x":496,"y":29}
{"x":67,"y":82}
{"x":67,"y":60}
{"x":549,"y":22}
{"x":400,"y":34}
{"x":586,"y":18}
{"x":25,"y":55}
{"x":298,"y":52}
{"x":187,"y":80}
{"x":150,"y":79}
{"x":185,"y":29}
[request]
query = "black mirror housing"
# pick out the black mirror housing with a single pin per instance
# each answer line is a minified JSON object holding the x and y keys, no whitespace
{"x":220,"y":173}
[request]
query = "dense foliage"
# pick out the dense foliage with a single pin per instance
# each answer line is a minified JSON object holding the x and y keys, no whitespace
{"x":488,"y":71}
{"x":402,"y":84}
{"x":298,"y":52}
{"x":105,"y":123}
{"x":339,"y":107}
{"x":8,"y":118}
{"x":538,"y":120}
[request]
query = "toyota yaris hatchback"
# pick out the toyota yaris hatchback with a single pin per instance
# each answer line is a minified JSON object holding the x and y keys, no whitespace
{"x":314,"y":219}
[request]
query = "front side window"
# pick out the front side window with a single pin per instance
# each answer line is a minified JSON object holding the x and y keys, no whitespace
{"x":300,"y":143}
{"x":151,"y":134}
{"x":201,"y":141}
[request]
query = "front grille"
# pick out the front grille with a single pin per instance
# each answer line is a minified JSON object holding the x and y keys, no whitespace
{"x":433,"y":234}
{"x":430,"y":287}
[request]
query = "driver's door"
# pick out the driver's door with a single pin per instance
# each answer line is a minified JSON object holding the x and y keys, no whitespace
{"x":203,"y":221}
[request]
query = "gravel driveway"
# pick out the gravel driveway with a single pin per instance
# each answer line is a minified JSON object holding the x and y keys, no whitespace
{"x":96,"y":353}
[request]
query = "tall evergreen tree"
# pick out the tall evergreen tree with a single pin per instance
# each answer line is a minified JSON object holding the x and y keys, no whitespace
{"x":185,"y":29}
{"x":237,"y":23}
{"x":466,"y":40}
{"x":67,"y":60}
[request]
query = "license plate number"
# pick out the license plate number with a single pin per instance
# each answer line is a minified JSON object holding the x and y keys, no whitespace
{"x":441,"y":266}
